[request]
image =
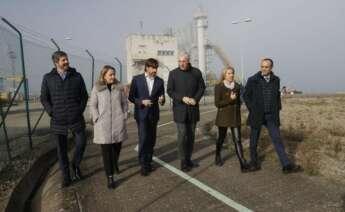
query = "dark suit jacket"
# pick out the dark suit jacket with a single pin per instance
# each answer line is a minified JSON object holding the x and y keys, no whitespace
{"x":254,"y":99}
{"x":139,"y":91}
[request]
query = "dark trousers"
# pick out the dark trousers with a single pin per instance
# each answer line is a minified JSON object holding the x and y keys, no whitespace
{"x":236,"y":138}
{"x":274,"y":133}
{"x":147,"y":132}
{"x":111,"y":154}
{"x":185,"y":140}
{"x":62,"y":151}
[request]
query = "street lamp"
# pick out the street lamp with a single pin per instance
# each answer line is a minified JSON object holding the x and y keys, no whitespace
{"x":245,"y":20}
{"x":242,"y":21}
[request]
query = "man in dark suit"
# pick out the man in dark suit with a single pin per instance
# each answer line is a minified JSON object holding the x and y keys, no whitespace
{"x":64,"y":97}
{"x":262,"y":97}
{"x":186,"y":87}
{"x":146,"y":93}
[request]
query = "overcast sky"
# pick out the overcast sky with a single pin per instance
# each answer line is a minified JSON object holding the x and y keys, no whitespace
{"x":304,"y":37}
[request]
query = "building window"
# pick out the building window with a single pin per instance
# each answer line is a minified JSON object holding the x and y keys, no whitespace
{"x":165,"y":52}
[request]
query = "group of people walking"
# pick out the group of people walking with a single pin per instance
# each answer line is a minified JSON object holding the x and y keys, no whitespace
{"x":64,"y":97}
{"x":261,"y":95}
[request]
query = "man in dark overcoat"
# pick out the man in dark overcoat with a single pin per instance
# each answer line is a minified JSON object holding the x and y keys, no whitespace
{"x":186,"y":86}
{"x":64,"y":98}
{"x":262,"y":97}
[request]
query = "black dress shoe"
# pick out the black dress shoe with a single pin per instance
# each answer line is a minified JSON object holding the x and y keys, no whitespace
{"x":292,"y":168}
{"x":111,"y":183}
{"x":66,"y":182}
{"x":185,"y":167}
{"x":218,"y":160}
{"x":77,"y":173}
{"x":144,"y":171}
{"x":254,"y":167}
{"x":245,"y":168}
{"x":192,"y":164}
{"x":150,"y":168}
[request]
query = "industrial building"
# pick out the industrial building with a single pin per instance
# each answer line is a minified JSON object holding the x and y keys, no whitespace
{"x":165,"y":47}
{"x":141,"y":47}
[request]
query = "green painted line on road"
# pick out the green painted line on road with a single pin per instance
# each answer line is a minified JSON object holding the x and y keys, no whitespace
{"x":216,"y":194}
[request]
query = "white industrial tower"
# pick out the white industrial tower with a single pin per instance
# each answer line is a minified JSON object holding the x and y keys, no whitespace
{"x":201,"y":24}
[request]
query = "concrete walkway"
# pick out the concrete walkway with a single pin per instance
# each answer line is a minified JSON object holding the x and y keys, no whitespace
{"x":165,"y":190}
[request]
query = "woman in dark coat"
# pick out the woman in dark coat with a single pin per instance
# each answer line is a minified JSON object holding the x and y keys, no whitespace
{"x":227,"y":100}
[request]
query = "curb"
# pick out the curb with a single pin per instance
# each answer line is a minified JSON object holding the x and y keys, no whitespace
{"x":21,"y":196}
{"x":30,"y":182}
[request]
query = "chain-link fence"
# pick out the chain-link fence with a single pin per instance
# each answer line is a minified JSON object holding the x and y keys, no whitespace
{"x":23,"y":122}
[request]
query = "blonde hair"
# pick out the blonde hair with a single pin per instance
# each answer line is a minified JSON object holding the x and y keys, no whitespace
{"x":103,"y":72}
{"x":222,"y":76}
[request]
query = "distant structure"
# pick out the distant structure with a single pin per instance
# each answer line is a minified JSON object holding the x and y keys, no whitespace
{"x":289,"y":91}
{"x":2,"y":84}
{"x":143,"y":46}
{"x":191,"y":38}
{"x":200,"y":18}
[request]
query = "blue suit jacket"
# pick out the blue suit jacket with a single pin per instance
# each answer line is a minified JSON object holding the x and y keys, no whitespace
{"x":139,"y":91}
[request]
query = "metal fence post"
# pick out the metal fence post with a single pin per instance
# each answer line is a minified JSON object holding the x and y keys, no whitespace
{"x":42,"y":113}
{"x":55,"y":44}
{"x":120,"y":64}
{"x":5,"y":132}
{"x":26,"y":89}
{"x":205,"y":92}
{"x":93,"y":67}
{"x":11,"y":102}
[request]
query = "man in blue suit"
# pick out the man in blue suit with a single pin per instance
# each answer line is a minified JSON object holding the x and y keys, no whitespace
{"x":146,"y":93}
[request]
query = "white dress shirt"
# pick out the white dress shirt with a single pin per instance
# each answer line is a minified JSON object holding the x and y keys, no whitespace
{"x":149,"y":81}
{"x":267,"y":78}
{"x":62,"y":74}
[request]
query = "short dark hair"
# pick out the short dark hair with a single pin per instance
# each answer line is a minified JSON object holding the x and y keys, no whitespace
{"x":57,"y":55}
{"x":151,"y":62}
{"x":270,"y":60}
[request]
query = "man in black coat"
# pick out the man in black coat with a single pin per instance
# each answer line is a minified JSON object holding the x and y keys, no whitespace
{"x":64,"y":97}
{"x":262,"y":97}
{"x":186,"y":87}
{"x":146,"y":93}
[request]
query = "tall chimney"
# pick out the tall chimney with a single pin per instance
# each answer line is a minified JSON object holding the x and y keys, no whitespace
{"x":201,"y":24}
